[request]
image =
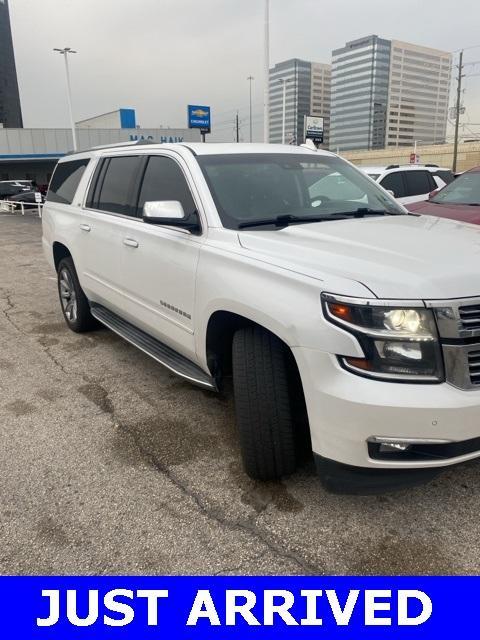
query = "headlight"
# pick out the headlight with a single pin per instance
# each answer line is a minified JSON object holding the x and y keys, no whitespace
{"x":399,"y":343}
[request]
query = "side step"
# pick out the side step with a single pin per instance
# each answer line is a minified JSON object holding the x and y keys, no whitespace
{"x":154,"y":348}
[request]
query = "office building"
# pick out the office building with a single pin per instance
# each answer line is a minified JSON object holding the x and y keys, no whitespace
{"x":388,"y":93}
{"x":307,"y":92}
{"x":10,"y":110}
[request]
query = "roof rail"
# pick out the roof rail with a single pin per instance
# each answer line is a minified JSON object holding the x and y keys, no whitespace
{"x":115,"y":145}
{"x":130,"y":143}
{"x":393,"y":166}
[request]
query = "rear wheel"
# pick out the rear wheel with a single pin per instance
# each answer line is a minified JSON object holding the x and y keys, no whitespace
{"x":75,"y":305}
{"x":265,"y":403}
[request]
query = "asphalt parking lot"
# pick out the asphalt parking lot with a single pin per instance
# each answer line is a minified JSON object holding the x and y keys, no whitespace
{"x":111,"y":465}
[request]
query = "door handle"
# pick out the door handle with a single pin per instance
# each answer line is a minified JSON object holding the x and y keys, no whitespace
{"x":85,"y":227}
{"x":130,"y":242}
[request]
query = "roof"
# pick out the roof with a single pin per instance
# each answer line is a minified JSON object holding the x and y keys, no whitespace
{"x":199,"y":148}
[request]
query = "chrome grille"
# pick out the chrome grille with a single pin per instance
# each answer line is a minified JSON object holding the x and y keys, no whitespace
{"x":474,"y":367}
{"x":470,"y":316}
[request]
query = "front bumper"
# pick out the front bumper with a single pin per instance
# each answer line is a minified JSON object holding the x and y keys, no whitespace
{"x":346,"y":411}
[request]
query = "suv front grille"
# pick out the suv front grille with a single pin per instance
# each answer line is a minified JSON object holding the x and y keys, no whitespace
{"x":458,"y":323}
{"x":470,"y":316}
{"x":474,"y":367}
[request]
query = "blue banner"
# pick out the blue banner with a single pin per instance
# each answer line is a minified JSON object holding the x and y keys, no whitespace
{"x":238,"y":607}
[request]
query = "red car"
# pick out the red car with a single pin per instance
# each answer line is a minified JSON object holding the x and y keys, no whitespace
{"x":459,"y":200}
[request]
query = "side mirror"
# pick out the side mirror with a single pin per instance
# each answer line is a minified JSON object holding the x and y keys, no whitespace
{"x":433,"y":193}
{"x":392,"y":193}
{"x":170,"y":213}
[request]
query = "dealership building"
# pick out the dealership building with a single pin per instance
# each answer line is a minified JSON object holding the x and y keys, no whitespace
{"x":32,"y":153}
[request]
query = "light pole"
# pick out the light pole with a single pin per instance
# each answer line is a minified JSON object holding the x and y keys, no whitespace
{"x":64,"y":52}
{"x":284,"y":105}
{"x":250,"y":80}
{"x":415,"y":149}
{"x":266,"y":96}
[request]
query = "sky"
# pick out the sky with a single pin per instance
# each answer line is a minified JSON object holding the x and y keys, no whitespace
{"x":157,"y":56}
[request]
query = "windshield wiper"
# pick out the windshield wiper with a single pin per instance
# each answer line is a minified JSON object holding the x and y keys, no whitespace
{"x":285,"y":220}
{"x":361,"y":212}
{"x":282,"y":221}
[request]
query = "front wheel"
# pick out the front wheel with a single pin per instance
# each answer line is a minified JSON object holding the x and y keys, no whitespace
{"x":264,"y":403}
{"x":75,"y":305}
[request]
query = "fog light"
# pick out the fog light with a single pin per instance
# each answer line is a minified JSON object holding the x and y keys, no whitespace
{"x":393,"y":447}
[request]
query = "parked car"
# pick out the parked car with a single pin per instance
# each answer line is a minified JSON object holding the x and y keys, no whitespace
{"x":460,"y":200}
{"x":343,"y":320}
{"x":412,"y":182}
{"x":27,"y":197}
{"x":10,"y":188}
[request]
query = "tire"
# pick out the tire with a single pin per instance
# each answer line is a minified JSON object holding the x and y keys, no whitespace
{"x":264,"y":404}
{"x":73,"y":301}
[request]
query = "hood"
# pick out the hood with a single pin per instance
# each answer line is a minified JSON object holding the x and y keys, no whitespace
{"x":405,"y":256}
{"x":461,"y":212}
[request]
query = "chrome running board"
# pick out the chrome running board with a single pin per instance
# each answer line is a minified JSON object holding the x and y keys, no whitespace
{"x":166,"y":356}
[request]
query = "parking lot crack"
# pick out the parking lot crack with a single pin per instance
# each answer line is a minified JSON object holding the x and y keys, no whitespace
{"x":246,"y":525}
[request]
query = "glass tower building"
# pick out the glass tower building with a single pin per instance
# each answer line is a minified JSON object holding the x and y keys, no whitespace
{"x":387,"y":93}
{"x":359,"y":99}
{"x":10,"y":110}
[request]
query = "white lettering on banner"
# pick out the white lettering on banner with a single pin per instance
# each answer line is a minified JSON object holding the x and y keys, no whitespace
{"x":403,"y":597}
{"x":203,"y":607}
{"x":342,"y":617}
{"x":371,"y":606}
{"x":152,"y":596}
{"x":83,"y":608}
{"x":118,"y":607}
{"x":244,"y":609}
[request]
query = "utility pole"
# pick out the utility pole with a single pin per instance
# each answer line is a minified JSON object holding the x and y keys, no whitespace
{"x":64,"y":52}
{"x":250,"y":80}
{"x":457,"y":115}
{"x":266,"y":79}
{"x":237,"y":128}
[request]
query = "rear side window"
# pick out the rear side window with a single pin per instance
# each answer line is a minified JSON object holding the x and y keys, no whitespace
{"x":446,"y":176}
{"x":65,"y":180}
{"x":418,"y":182}
{"x":394,"y":182}
{"x":112,"y":186}
{"x":164,"y":180}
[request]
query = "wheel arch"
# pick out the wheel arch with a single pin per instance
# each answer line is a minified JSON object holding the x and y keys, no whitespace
{"x":60,"y":251}
{"x":219,"y":331}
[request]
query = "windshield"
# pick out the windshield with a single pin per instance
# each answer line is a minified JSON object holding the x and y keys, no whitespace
{"x":464,"y":190}
{"x":248,"y":187}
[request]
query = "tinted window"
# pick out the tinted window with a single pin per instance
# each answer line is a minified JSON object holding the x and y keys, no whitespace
{"x":65,"y":181}
{"x":418,"y":183}
{"x":114,"y":185}
{"x":446,"y":176}
{"x":164,"y":180}
{"x":394,"y":182}
{"x":262,"y":186}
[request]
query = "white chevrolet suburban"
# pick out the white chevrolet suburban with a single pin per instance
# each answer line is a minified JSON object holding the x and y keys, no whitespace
{"x":350,"y":327}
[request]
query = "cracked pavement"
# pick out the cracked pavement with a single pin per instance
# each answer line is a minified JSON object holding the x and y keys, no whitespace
{"x":109,"y":464}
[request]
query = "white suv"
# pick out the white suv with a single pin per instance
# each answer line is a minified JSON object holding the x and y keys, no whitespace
{"x":412,"y":182}
{"x":343,"y":320}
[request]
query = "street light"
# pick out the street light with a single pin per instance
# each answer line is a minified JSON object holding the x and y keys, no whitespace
{"x":266,"y":98}
{"x":284,"y":82}
{"x":250,"y":80}
{"x":64,"y":52}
